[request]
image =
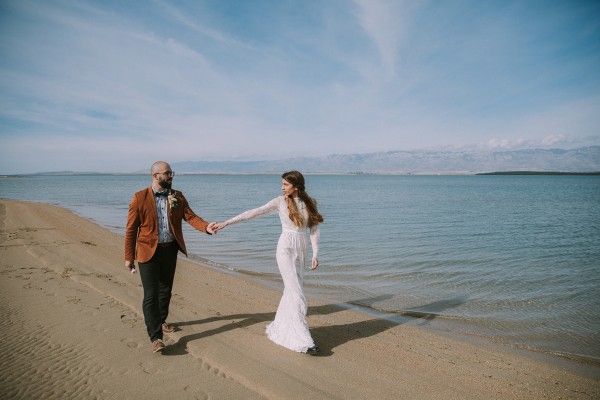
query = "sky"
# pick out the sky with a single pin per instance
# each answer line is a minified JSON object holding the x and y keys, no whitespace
{"x":112,"y":86}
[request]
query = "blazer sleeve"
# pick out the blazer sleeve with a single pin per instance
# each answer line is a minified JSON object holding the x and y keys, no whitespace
{"x":191,"y":218}
{"x":132,"y":229}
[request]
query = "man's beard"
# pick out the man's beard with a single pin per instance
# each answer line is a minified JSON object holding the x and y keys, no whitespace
{"x":165,"y":184}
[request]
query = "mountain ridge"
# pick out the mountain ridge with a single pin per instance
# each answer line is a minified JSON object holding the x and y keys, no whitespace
{"x":583,"y":159}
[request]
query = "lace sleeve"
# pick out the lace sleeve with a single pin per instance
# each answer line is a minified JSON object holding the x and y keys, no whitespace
{"x":269,"y":208}
{"x":315,"y":234}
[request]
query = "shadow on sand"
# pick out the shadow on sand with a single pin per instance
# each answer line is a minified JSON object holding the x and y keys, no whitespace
{"x":327,"y":337}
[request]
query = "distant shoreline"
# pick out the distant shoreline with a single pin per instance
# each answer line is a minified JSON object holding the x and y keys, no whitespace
{"x":537,"y":173}
{"x":408,"y":173}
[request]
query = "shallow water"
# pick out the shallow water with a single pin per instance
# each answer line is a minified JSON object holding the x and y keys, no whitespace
{"x":512,"y":258}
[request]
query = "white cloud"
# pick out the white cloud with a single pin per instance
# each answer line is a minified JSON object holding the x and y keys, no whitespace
{"x":505,"y":144}
{"x":553,"y":140}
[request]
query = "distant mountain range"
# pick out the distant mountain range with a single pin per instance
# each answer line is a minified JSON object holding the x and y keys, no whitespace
{"x":584,"y":159}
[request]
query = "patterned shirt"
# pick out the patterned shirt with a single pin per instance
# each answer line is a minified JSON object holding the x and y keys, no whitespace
{"x":164,"y":231}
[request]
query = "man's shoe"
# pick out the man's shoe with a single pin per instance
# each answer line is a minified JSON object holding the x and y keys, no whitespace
{"x":157,"y":345}
{"x":166,"y":328}
{"x":313,"y":351}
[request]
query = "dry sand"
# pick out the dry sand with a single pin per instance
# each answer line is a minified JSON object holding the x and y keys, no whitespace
{"x":72,"y":328}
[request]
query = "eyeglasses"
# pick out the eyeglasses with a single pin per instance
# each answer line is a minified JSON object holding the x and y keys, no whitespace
{"x":168,"y":173}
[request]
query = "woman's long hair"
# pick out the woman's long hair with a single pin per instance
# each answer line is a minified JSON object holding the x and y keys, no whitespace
{"x":297,"y":180}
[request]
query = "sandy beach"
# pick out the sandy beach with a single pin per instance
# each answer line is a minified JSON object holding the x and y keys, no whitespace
{"x":72,"y":328}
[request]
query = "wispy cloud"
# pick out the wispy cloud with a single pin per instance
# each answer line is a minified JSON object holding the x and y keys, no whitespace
{"x":387,"y":23}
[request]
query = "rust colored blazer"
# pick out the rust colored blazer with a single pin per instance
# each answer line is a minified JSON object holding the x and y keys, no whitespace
{"x":142,"y":225}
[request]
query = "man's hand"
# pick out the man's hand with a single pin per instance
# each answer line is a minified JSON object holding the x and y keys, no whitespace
{"x":130,"y":265}
{"x":314,"y":264}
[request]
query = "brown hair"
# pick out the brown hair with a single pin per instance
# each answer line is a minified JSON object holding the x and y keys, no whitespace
{"x":296,"y":179}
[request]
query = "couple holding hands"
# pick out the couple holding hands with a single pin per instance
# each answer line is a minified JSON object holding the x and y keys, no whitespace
{"x":153,"y":237}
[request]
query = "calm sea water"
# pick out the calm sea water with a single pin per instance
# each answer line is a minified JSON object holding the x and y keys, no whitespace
{"x":514,"y":259}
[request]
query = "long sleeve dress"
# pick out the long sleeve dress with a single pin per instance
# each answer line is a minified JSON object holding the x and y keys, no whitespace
{"x":290,"y":328}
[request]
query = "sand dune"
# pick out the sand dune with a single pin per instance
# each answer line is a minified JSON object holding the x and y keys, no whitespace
{"x":71,"y":328}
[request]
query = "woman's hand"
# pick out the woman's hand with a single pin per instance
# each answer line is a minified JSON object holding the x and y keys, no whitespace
{"x":218,"y":226}
{"x":315,"y":264}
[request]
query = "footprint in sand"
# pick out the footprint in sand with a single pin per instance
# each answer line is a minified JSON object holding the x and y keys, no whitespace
{"x":216,"y":371}
{"x":150,"y":368}
{"x":73,"y":299}
{"x":132,"y":344}
{"x":197,"y":394}
{"x":129,"y":319}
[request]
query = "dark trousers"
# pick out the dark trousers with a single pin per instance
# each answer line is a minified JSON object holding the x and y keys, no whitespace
{"x":157,"y":279}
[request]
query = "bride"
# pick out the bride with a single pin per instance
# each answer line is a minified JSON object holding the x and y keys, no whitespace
{"x":298,"y":214}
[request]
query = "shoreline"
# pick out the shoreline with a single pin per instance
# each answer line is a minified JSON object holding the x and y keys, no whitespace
{"x":67,"y":300}
{"x":442,"y":325}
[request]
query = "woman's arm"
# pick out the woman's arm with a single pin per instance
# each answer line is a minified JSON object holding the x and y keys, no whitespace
{"x":315,"y":234}
{"x":269,"y":208}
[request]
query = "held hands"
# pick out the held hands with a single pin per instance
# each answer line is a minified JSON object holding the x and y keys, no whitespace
{"x":214,"y":227}
{"x":211,"y":228}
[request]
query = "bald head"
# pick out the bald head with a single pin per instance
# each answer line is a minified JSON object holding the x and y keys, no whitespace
{"x":159,"y":166}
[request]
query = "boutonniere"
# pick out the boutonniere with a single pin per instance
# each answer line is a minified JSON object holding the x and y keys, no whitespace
{"x":173,"y":198}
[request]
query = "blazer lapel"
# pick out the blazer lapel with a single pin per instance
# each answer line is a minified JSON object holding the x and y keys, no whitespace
{"x":151,"y":204}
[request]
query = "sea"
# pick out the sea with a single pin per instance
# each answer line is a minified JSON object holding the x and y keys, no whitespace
{"x":514,"y":260}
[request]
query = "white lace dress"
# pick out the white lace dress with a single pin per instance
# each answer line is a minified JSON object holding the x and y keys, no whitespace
{"x":289,"y":329}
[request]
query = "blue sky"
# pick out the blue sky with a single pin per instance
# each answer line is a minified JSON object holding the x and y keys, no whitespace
{"x":115,"y":85}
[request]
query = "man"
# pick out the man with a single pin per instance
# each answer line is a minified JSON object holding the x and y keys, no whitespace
{"x":154,"y":224}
